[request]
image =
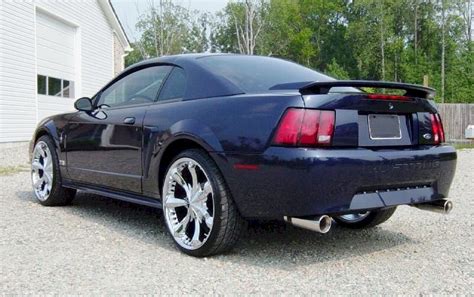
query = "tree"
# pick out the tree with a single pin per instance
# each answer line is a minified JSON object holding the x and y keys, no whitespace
{"x":243,"y":21}
{"x":336,"y":71}
{"x":167,"y":28}
{"x":443,"y":47}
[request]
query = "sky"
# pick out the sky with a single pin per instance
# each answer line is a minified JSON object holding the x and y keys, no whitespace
{"x":128,"y":11}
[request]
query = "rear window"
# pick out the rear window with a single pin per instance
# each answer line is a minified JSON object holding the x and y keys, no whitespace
{"x":260,"y":74}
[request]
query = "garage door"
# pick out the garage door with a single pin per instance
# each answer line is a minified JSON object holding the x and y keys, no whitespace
{"x":56,"y":56}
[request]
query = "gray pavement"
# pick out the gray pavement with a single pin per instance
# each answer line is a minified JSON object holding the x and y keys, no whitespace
{"x":102,"y":246}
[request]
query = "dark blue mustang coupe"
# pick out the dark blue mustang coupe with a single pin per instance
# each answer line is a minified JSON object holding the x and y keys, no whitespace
{"x":215,"y":139}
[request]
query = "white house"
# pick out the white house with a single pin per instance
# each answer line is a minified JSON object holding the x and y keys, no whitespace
{"x":51,"y":52}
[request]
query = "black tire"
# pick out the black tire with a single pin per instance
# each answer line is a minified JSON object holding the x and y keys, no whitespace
{"x":374,"y":218}
{"x":59,"y":195}
{"x":228,"y":223}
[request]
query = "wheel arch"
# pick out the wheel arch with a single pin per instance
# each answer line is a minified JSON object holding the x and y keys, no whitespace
{"x":41,"y":131}
{"x":178,"y":144}
{"x":172,"y":149}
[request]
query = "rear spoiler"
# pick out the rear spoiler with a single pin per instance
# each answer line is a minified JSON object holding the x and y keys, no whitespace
{"x":323,"y":87}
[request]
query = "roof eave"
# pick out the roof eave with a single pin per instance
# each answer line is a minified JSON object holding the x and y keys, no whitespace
{"x":114,"y":22}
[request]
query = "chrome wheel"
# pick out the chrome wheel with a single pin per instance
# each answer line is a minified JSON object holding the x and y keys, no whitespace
{"x":188,"y":203}
{"x":42,"y":171}
{"x":354,"y":217}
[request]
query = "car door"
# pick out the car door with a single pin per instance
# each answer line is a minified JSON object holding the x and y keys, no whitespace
{"x":104,"y":147}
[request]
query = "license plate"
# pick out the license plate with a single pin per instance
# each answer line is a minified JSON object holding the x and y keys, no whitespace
{"x":384,"y":126}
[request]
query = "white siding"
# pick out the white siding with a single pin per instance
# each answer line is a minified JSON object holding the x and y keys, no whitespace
{"x":94,"y":65}
{"x":17,"y":71}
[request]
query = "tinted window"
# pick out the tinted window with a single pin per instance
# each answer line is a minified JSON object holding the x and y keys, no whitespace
{"x":175,"y":85}
{"x":138,"y":87}
{"x":41,"y":82}
{"x":258,"y":74}
{"x":54,"y":86}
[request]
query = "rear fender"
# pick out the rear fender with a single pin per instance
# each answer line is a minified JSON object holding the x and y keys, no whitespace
{"x":156,"y":143}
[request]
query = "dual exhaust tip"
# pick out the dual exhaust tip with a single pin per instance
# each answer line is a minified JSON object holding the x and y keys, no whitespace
{"x":322,"y":224}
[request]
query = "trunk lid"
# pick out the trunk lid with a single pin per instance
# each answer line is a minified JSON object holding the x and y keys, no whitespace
{"x":375,"y":120}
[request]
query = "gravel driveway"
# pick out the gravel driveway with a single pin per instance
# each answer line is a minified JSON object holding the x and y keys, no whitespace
{"x":98,"y":245}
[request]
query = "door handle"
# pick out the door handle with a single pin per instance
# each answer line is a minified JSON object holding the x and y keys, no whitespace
{"x":129,"y":121}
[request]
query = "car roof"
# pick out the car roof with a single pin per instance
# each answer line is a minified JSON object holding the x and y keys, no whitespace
{"x":182,"y":58}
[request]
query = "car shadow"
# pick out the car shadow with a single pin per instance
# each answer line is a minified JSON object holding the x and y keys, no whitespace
{"x":270,"y":243}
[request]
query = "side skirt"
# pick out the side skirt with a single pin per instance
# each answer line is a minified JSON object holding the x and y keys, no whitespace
{"x":128,"y":197}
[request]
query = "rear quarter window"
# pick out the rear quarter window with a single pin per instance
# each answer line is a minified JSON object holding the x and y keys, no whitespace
{"x":175,"y":85}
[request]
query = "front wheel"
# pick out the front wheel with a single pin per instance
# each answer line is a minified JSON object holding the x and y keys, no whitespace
{"x":46,"y":176}
{"x":197,"y":206}
{"x":365,"y":219}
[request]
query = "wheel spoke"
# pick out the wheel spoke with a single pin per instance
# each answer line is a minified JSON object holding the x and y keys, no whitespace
{"x":180,"y":228}
{"x":208,"y":220}
{"x":48,"y":165}
{"x":178,"y":178}
{"x":197,"y":232}
{"x":37,"y":165}
{"x":42,"y":151}
{"x":173,"y":202}
{"x":38,"y":183}
{"x":192,"y":171}
{"x":203,"y":215}
{"x":202,"y":194}
{"x":47,"y":177}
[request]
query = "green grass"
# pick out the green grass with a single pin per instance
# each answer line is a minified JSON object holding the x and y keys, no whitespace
{"x":9,"y":170}
{"x":460,"y":146}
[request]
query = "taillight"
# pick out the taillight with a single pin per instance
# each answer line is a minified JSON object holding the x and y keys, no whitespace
{"x":441,"y":128}
{"x":388,"y":97}
{"x":305,"y":127}
{"x":437,"y":128}
{"x":290,"y":127}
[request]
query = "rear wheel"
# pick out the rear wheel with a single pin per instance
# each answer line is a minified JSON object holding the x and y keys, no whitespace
{"x":365,"y":219}
{"x":46,"y":176}
{"x":197,"y":206}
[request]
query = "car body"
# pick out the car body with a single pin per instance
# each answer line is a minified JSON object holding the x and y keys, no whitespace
{"x":229,"y":107}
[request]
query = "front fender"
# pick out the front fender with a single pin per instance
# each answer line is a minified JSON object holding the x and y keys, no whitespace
{"x":47,"y":127}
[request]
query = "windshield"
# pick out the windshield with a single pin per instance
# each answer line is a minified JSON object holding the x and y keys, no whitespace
{"x":255,"y":74}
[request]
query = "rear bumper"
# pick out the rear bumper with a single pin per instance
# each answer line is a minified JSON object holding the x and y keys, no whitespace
{"x":300,"y":182}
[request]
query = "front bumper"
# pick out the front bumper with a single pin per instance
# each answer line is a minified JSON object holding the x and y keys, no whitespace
{"x":301,"y":182}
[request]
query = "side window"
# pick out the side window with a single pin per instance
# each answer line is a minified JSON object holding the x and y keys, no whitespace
{"x":175,"y":85}
{"x":141,"y":86}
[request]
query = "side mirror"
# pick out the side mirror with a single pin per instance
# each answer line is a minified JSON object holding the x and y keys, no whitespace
{"x":83,"y":104}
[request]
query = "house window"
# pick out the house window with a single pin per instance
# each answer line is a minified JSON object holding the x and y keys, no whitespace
{"x":53,"y":86}
{"x":42,"y":84}
{"x":66,"y":89}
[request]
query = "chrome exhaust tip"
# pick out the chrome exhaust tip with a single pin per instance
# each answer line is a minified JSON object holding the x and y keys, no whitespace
{"x":321,"y":224}
{"x":442,"y":206}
